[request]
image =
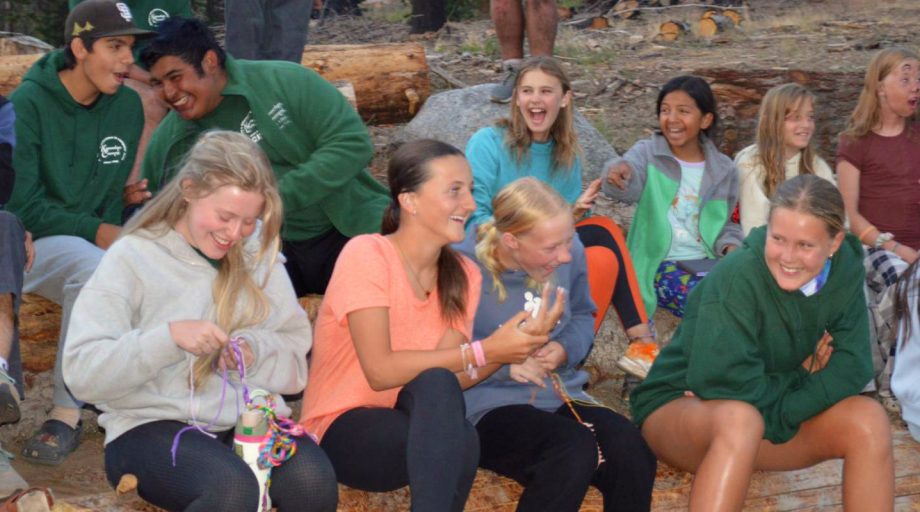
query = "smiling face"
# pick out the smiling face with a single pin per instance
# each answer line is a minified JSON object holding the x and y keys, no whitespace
{"x":797,"y":246}
{"x":216,"y":222}
{"x":106,"y":67}
{"x":899,"y":91}
{"x":681,"y":121}
{"x":443,"y":203}
{"x":193,"y":95}
{"x":543,"y":248}
{"x":798,"y":127}
{"x":539,"y":97}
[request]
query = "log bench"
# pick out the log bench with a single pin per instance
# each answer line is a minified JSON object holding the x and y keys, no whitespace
{"x":816,"y":488}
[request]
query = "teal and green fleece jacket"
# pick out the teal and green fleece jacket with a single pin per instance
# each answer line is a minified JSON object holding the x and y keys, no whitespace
{"x":654,"y":183}
{"x":71,"y":161}
{"x":317,"y":144}
{"x":744,"y":338}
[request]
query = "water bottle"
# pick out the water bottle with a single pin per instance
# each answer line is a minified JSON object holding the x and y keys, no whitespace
{"x":250,"y":434}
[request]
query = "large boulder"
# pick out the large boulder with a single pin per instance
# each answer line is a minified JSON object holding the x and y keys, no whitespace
{"x":454,"y":116}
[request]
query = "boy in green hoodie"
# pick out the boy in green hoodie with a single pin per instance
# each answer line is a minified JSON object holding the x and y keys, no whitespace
{"x":317,"y":145}
{"x":77,"y":134}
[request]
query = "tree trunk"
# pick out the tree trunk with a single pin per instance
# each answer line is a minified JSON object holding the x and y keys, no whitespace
{"x":427,"y":16}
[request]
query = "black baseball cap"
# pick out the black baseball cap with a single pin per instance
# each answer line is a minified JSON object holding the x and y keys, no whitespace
{"x":101,"y":18}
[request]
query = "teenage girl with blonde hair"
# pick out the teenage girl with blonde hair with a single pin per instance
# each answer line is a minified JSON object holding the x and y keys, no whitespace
{"x":766,"y":368}
{"x":877,"y":169}
{"x":783,"y":150}
{"x":535,"y":422}
{"x":193,"y":279}
{"x":539,"y":140}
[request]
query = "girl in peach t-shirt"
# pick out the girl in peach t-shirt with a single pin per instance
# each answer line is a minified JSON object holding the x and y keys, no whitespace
{"x":392,"y":350}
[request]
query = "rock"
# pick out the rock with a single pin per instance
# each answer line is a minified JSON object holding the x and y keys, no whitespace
{"x":453,"y":116}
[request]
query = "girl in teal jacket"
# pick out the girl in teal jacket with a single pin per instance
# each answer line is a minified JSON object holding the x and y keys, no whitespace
{"x":765,"y":371}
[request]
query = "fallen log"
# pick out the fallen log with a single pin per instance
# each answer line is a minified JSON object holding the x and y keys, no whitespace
{"x":392,"y":93}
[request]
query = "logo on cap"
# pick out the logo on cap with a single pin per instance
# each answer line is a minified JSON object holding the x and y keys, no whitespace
{"x":124,"y":11}
{"x":156,"y":17}
{"x":77,"y":29}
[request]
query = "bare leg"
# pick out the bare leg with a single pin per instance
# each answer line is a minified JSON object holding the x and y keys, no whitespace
{"x":508,"y":18}
{"x":856,"y":430}
{"x":542,"y":19}
{"x":715,"y":439}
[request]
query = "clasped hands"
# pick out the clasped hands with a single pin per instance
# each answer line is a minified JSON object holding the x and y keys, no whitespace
{"x":537,"y":366}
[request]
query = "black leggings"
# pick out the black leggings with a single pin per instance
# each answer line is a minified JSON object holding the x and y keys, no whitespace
{"x":209,"y":477}
{"x":424,"y":441}
{"x":310,"y":262}
{"x":555,"y":458}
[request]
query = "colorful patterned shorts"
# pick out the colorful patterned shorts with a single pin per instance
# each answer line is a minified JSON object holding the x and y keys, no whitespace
{"x":672,"y":286}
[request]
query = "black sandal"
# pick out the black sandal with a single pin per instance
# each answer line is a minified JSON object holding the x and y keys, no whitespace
{"x":52,"y":443}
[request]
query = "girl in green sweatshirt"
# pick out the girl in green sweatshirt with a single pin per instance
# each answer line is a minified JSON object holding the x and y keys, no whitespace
{"x":765,"y":370}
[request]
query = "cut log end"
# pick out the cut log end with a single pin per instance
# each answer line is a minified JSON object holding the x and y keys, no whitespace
{"x":673,"y":30}
{"x":626,"y":9}
{"x":715,"y":24}
{"x":599,"y":22}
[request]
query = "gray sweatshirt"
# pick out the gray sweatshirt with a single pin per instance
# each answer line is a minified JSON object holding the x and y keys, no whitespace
{"x":119,"y":353}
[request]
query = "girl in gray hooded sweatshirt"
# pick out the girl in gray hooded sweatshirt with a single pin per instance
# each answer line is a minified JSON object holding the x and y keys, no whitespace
{"x":151,"y":335}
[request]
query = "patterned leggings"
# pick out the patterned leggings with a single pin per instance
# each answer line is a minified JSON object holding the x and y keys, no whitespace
{"x":673,"y":286}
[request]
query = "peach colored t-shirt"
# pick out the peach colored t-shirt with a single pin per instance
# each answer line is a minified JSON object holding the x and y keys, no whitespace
{"x":369,"y":274}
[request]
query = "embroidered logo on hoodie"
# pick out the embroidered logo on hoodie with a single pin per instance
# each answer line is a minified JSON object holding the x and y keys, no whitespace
{"x":248,"y":128}
{"x":112,"y":150}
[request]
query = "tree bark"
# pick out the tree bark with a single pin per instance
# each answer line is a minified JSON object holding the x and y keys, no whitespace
{"x":395,"y":88}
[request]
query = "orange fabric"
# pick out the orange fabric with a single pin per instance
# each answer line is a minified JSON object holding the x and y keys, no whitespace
{"x":369,"y":273}
{"x":603,"y":268}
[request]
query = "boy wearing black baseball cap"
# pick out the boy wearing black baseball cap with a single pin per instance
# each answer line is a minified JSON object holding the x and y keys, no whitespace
{"x":77,"y":133}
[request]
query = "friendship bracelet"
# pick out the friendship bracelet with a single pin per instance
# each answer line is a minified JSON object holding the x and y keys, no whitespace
{"x":865,"y":231}
{"x":467,"y":365}
{"x":478,"y":353}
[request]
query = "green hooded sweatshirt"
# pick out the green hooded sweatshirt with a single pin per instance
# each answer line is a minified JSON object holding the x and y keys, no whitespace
{"x":71,"y":161}
{"x":744,"y":338}
{"x":317,"y":145}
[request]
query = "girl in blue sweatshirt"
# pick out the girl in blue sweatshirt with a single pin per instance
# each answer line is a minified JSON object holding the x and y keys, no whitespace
{"x":535,"y":423}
